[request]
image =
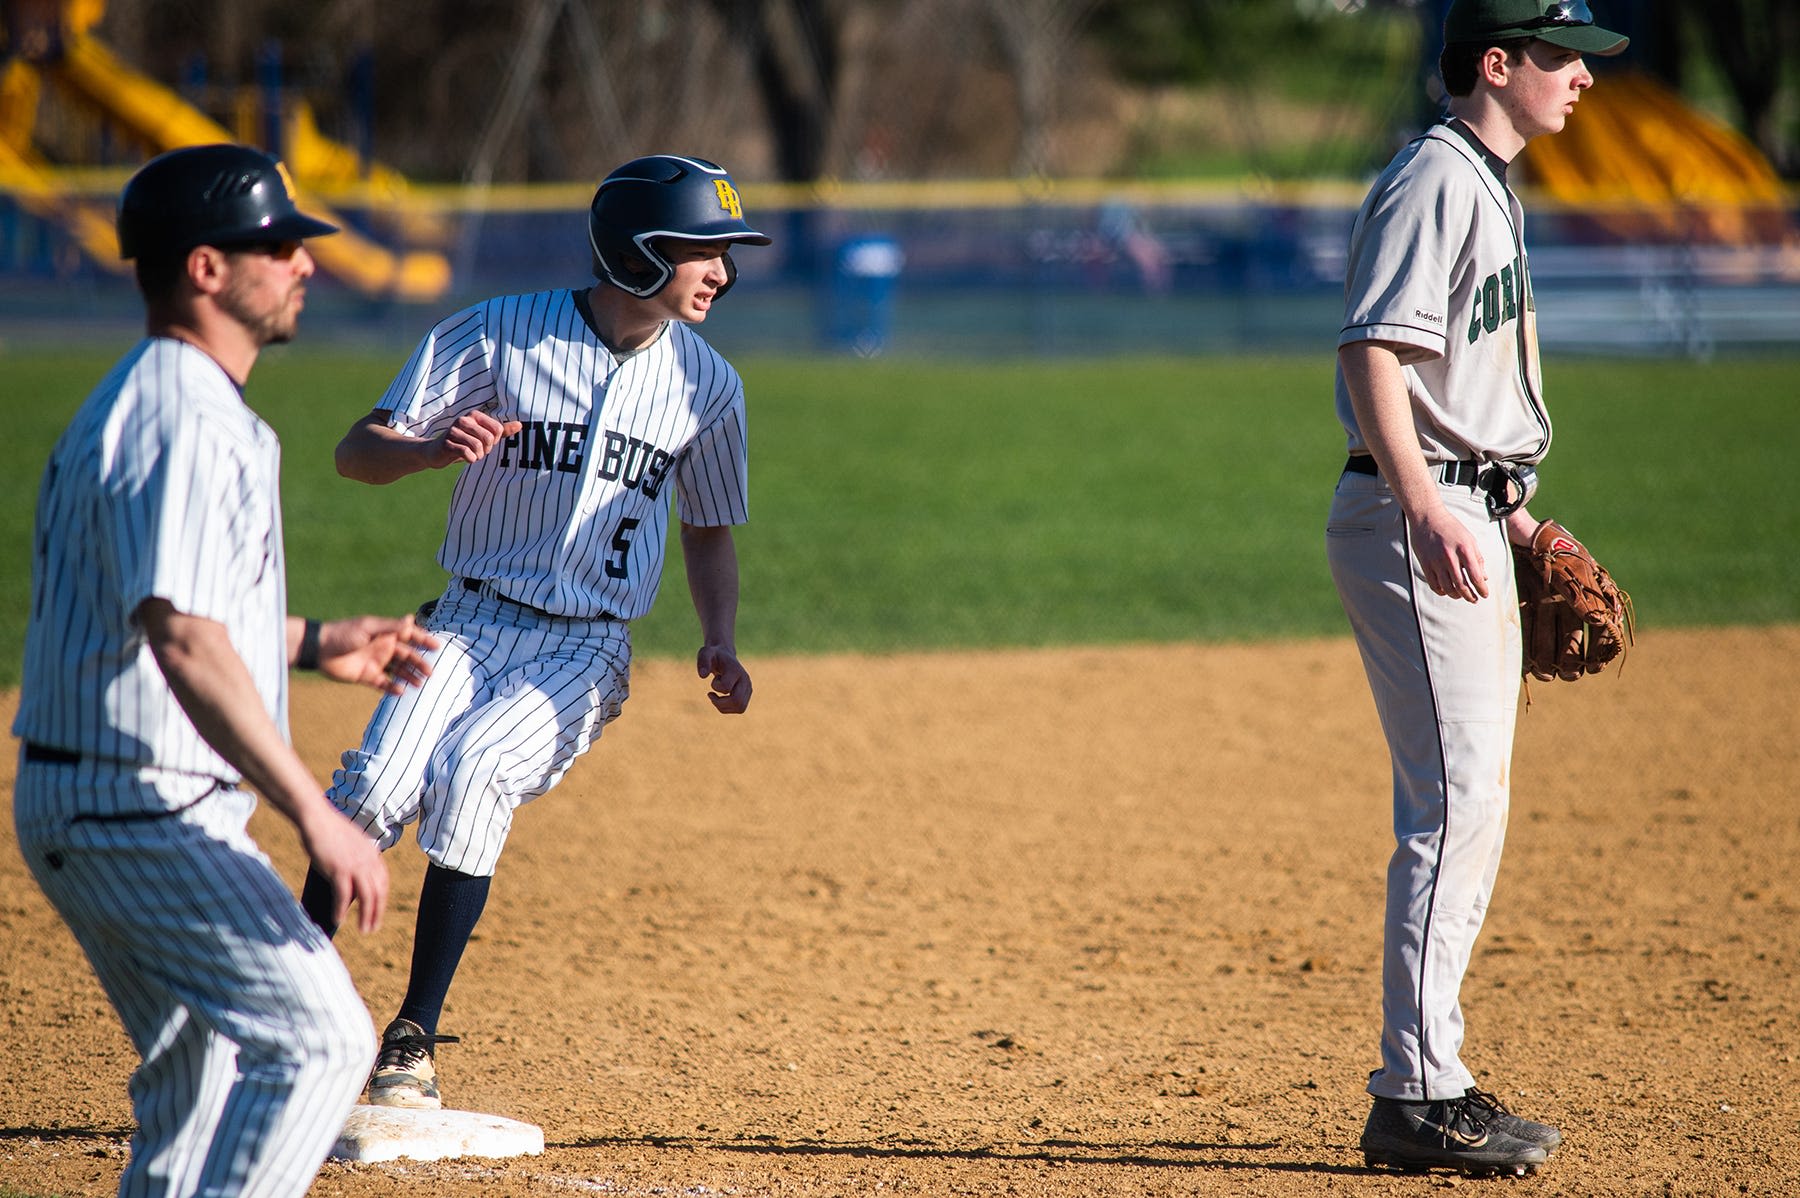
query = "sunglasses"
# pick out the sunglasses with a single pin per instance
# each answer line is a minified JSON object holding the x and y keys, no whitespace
{"x":280,"y":250}
{"x":1563,"y":12}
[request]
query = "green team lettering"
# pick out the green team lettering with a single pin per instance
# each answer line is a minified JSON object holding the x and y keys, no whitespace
{"x":1498,"y":300}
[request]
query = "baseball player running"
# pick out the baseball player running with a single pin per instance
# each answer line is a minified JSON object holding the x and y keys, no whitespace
{"x":1438,"y":387}
{"x":576,"y":416}
{"x":155,"y":682}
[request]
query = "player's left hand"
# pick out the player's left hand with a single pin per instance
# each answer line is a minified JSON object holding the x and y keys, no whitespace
{"x":730,"y":681}
{"x":375,"y":651}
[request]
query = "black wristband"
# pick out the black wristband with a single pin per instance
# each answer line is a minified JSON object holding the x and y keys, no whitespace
{"x":308,"y":657}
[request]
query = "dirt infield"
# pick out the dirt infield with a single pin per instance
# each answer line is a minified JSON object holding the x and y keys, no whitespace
{"x":1101,"y":922}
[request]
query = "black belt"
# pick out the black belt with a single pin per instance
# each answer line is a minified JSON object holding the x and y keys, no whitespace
{"x":480,"y":587}
{"x":45,"y":755}
{"x":1457,"y":474}
{"x":1508,"y":486}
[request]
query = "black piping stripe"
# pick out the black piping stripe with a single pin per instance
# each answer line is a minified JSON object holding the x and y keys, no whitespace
{"x":1437,"y":866}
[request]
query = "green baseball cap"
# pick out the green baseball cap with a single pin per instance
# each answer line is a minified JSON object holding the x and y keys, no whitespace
{"x":1565,"y":23}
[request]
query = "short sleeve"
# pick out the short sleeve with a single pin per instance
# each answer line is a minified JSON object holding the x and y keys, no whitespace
{"x":712,"y":481}
{"x":189,"y":520}
{"x":1397,"y":282}
{"x":446,"y":376}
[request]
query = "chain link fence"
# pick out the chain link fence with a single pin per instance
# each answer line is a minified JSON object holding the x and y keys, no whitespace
{"x":993,"y":270}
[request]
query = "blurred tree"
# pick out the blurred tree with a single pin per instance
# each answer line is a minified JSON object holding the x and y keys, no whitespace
{"x":920,"y":88}
{"x":1036,"y":36}
{"x":523,"y":74}
{"x":1207,"y":41}
{"x":1351,"y":65}
{"x":795,"y":52}
{"x":1754,"y":43}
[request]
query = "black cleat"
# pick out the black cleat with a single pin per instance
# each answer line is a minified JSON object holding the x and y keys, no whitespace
{"x":1450,"y":1133}
{"x":1516,"y":1126}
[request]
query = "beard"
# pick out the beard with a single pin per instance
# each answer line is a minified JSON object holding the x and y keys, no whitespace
{"x":269,"y":323}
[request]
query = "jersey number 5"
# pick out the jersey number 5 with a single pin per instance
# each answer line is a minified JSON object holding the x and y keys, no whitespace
{"x":621,"y":544}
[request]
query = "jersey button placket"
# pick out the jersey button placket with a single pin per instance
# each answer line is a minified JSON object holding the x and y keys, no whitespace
{"x":588,"y":497}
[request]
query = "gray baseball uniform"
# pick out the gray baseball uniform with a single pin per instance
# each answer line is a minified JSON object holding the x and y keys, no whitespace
{"x":254,"y":1040}
{"x":1437,"y":271}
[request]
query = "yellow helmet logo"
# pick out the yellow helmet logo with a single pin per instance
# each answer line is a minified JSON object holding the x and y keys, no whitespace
{"x":728,"y":199}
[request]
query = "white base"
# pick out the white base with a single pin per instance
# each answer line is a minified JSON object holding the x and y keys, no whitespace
{"x":381,"y":1133}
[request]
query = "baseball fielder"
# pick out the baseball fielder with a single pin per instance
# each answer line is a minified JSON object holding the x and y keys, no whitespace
{"x":577,"y":415}
{"x":1438,"y":388}
{"x":156,"y":664}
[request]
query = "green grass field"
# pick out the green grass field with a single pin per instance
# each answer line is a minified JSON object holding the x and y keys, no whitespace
{"x":900,"y":505}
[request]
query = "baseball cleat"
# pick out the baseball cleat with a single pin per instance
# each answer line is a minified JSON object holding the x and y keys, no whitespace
{"x":1516,"y":1126}
{"x":1450,"y":1133}
{"x":405,"y":1075}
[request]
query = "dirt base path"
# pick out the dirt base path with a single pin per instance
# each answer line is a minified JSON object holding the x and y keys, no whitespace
{"x":1066,"y":923}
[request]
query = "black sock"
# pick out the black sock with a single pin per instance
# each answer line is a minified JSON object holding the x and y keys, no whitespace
{"x":317,"y":900}
{"x":450,"y":904}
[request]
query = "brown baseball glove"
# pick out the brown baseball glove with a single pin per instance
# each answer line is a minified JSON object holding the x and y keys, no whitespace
{"x":1572,"y":616}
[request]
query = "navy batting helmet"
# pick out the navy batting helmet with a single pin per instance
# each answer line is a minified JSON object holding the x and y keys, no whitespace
{"x":219,"y":195}
{"x":663,"y":195}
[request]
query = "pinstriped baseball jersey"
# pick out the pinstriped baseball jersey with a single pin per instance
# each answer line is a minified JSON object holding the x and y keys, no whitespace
{"x":1438,"y":268}
{"x":164,"y":485}
{"x":571,"y":515}
{"x":252,"y":1034}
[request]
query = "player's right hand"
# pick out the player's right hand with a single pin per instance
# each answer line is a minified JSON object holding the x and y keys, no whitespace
{"x":345,"y":855}
{"x":730,"y":690}
{"x":471,"y":438}
{"x":1450,"y":557}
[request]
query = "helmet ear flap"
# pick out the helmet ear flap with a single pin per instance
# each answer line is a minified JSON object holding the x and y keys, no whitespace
{"x":645,"y":267}
{"x":633,"y":266}
{"x":730,"y":276}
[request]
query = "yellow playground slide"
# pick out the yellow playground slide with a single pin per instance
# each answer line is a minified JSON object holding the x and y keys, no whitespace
{"x":160,"y":119}
{"x":1640,"y":158}
{"x":36,"y":185}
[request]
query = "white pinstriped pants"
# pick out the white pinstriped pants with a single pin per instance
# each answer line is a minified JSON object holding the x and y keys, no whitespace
{"x":1445,"y":678}
{"x":513,"y":699}
{"x":254,"y":1040}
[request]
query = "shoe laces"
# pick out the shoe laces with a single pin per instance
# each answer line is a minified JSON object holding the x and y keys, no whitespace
{"x":410,"y":1050}
{"x":1488,"y":1104}
{"x":1456,"y":1117}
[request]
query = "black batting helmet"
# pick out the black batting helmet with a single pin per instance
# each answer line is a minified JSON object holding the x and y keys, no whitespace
{"x":663,"y":195}
{"x":209,"y":195}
